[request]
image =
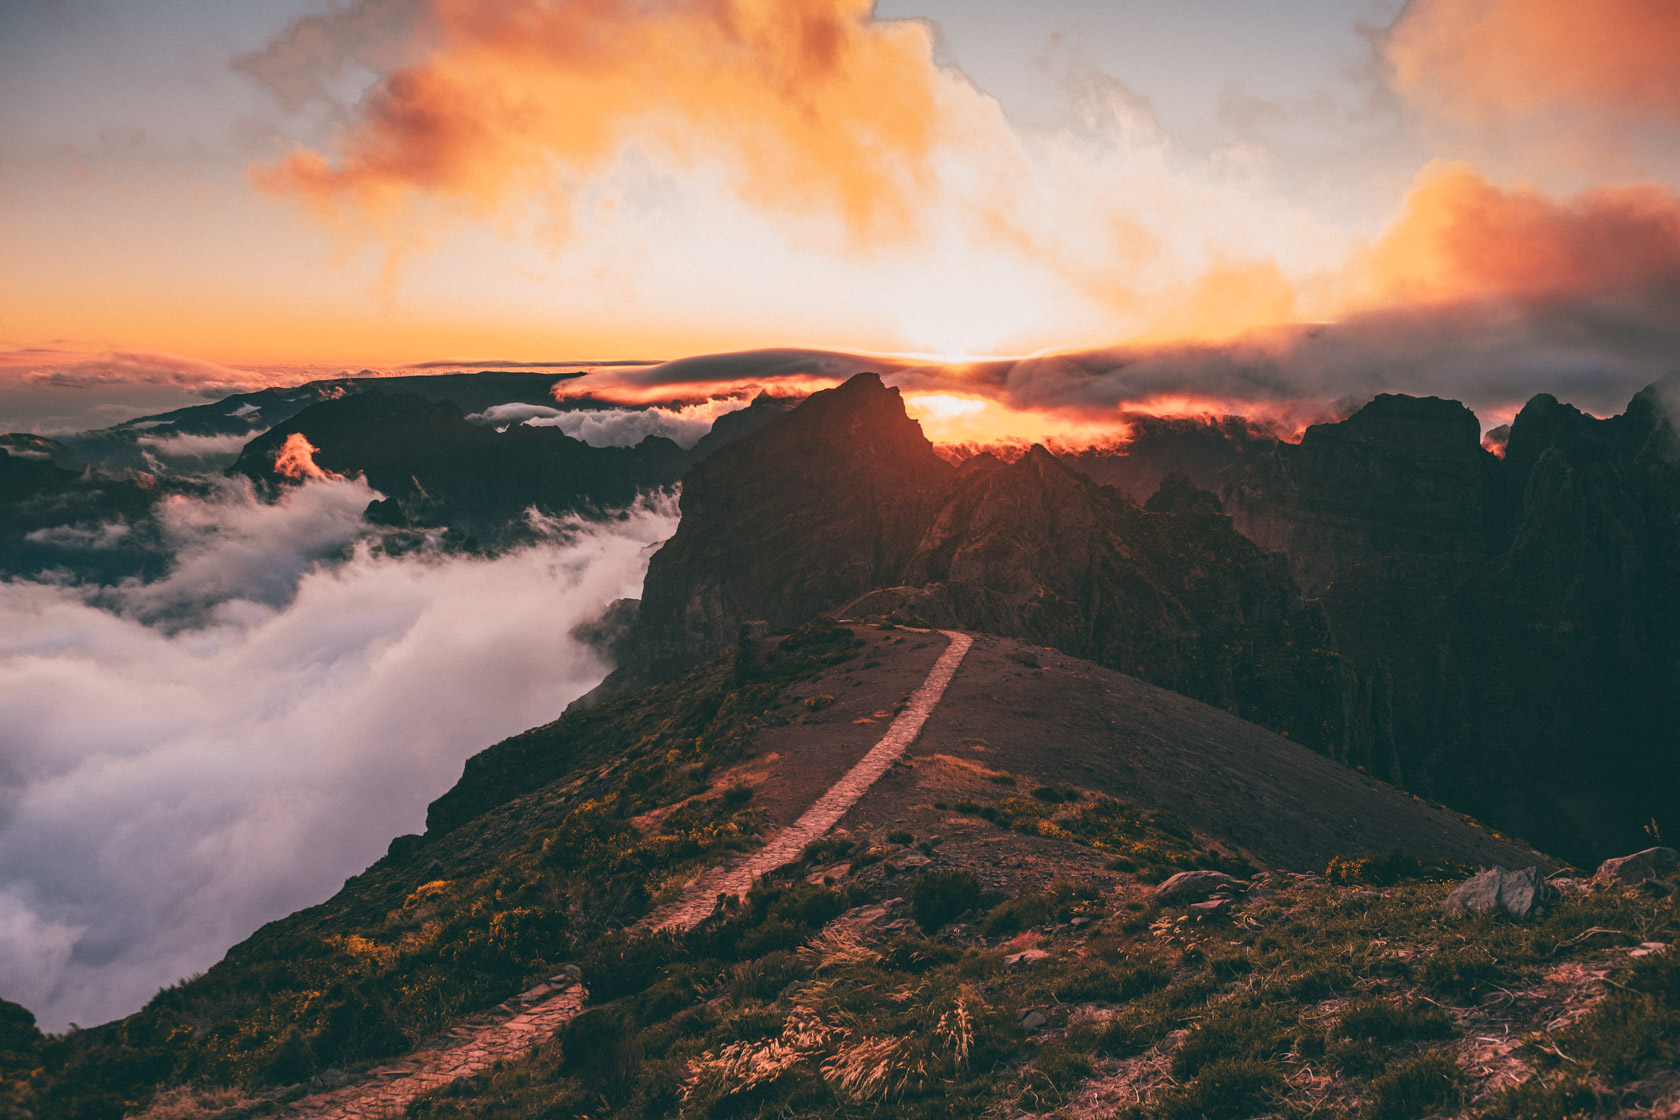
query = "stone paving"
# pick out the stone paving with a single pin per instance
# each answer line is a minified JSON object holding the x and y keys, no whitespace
{"x":516,"y":1027}
{"x":699,"y":900}
{"x":508,"y":1031}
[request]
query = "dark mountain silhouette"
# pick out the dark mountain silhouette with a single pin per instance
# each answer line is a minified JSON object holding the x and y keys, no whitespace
{"x":1072,"y":887}
{"x":1209,"y":452}
{"x":119,"y":447}
{"x":439,"y":469}
{"x":443,"y":470}
{"x":1510,"y":627}
{"x":845,"y":496}
{"x":56,"y":514}
{"x":1500,"y":634}
{"x":814,"y":509}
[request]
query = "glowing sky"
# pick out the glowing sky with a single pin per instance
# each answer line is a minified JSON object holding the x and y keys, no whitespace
{"x":217,"y":187}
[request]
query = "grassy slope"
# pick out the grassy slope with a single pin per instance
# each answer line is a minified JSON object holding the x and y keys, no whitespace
{"x":1330,"y":998}
{"x":1318,"y":995}
{"x":502,"y":900}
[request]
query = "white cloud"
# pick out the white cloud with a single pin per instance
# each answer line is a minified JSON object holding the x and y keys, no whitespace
{"x":626,"y":427}
{"x":166,"y":791}
{"x":207,"y":452}
{"x":106,"y":535}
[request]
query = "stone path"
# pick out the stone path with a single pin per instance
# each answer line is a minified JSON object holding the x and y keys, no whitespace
{"x":510,"y":1030}
{"x":699,"y":900}
{"x":514,"y":1028}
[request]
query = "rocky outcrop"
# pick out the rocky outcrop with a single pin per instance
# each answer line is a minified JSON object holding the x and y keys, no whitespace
{"x":813,"y":509}
{"x":1640,"y":867}
{"x":1188,"y":887}
{"x":1179,"y":494}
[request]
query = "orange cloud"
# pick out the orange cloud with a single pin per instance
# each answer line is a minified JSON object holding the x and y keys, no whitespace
{"x":1462,"y":238}
{"x":296,"y":459}
{"x":1486,"y":59}
{"x":812,"y":105}
{"x":1227,"y":301}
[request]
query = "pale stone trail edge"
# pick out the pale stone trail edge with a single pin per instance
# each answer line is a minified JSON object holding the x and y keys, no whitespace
{"x":514,"y":1028}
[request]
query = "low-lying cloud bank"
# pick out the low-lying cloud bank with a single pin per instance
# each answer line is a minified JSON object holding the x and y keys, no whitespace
{"x":619,"y":427}
{"x":190,"y":759}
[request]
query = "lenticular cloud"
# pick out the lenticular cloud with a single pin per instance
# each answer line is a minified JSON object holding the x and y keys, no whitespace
{"x":165,"y":789}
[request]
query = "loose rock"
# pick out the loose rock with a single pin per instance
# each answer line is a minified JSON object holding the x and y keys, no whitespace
{"x":1640,"y":867}
{"x":1519,"y":893}
{"x":1195,"y":886}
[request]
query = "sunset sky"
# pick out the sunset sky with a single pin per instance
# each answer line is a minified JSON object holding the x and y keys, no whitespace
{"x":198,"y":193}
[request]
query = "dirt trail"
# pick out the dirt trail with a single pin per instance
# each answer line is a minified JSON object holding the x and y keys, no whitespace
{"x":516,"y":1027}
{"x":701,"y":897}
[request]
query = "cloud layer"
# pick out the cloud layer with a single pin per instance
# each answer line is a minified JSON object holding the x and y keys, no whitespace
{"x":1494,"y":60}
{"x":812,"y":103}
{"x":626,"y":427}
{"x":168,"y":788}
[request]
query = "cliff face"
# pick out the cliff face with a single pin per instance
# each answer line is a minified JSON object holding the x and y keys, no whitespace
{"x":1401,"y":475}
{"x":813,"y":509}
{"x":1510,"y":629}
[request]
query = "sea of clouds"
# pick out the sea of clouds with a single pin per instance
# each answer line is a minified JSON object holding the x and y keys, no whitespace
{"x":187,"y":759}
{"x":618,"y":427}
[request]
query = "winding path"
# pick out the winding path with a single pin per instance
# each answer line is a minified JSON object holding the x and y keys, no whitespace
{"x":698,"y":901}
{"x":518,"y":1026}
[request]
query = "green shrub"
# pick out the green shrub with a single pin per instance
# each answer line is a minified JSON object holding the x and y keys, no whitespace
{"x":735,"y":797}
{"x":1412,"y":1090}
{"x":765,"y":977}
{"x":913,"y":954}
{"x":1462,"y":971}
{"x":292,"y":1061}
{"x":828,"y":849}
{"x":1225,"y":1089}
{"x":601,"y":1049}
{"x":621,"y":964}
{"x":1386,"y":1022}
{"x":1046,"y":1083}
{"x":1636,"y":1029}
{"x":1060,"y":903}
{"x":1543,"y":1100}
{"x":940,"y":897}
{"x":1113,"y":983}
{"x":1378,"y":869}
{"x":901,"y":836}
{"x":1234,"y":1032}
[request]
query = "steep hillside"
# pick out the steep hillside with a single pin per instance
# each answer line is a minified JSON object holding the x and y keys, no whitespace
{"x":984,"y":929}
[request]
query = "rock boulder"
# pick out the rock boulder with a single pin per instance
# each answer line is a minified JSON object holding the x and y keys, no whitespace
{"x":1519,"y":893}
{"x":1652,"y":863}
